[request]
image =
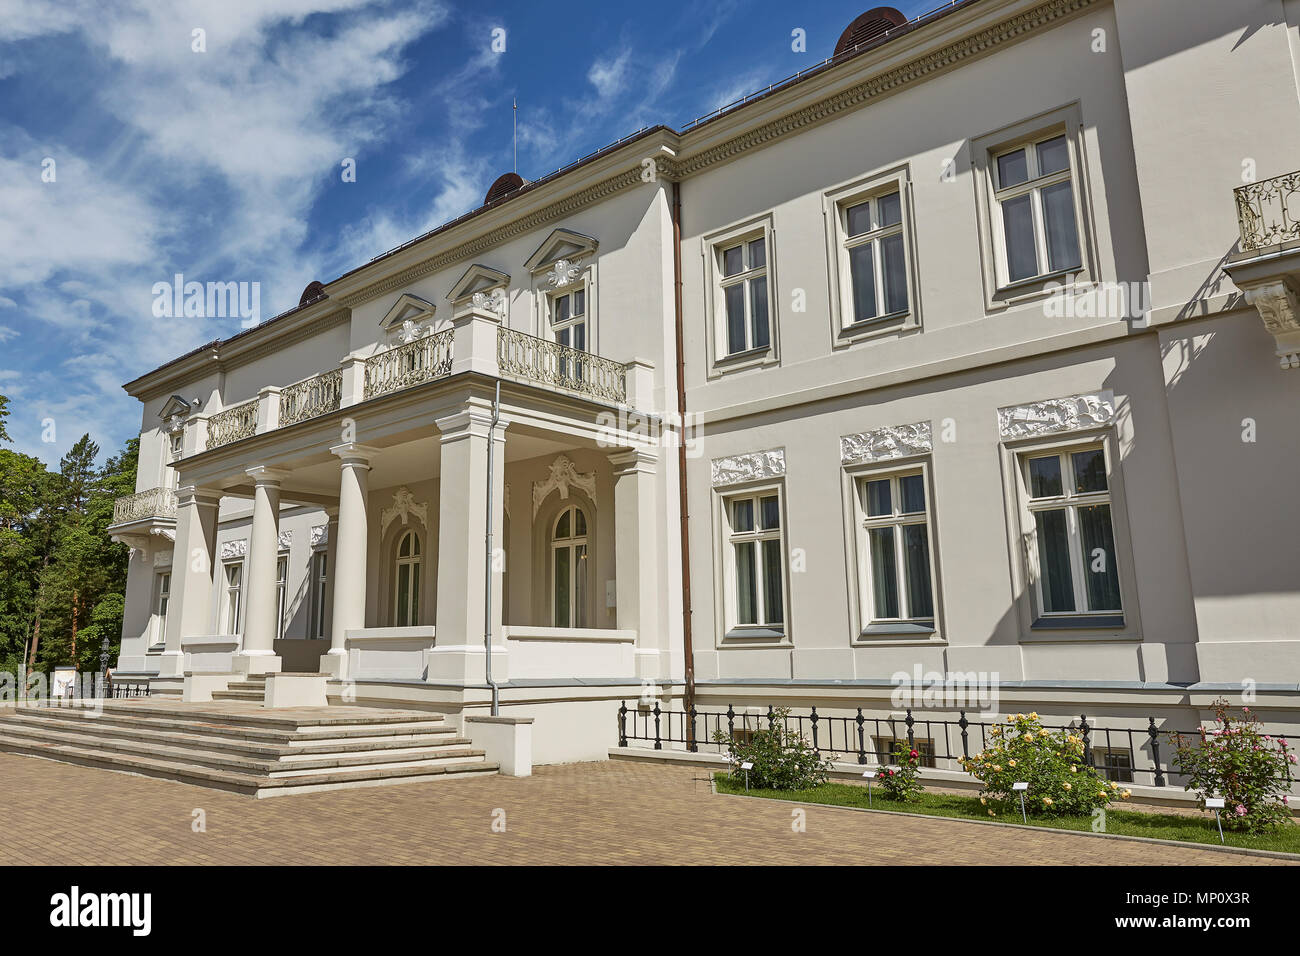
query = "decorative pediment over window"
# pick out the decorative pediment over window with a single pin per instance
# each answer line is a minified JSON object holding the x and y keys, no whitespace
{"x":405,"y":507}
{"x":175,"y":412}
{"x":478,"y":279}
{"x":408,"y":311}
{"x":563,"y":475}
{"x":561,"y":246}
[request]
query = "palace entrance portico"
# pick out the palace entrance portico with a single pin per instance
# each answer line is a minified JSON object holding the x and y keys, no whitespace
{"x":398,"y":484}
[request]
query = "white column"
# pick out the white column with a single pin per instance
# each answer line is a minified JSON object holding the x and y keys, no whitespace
{"x":189,"y":613}
{"x":637,"y":558}
{"x":257,"y":656}
{"x":458,"y":656}
{"x":349,"y":571}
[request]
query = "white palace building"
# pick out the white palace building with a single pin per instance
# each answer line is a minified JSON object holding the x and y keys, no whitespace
{"x":974,"y":349}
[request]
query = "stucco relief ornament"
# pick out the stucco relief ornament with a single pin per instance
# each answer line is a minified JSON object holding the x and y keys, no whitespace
{"x":319,"y":534}
{"x":411,"y":331}
{"x":494,"y":302}
{"x":404,"y":506}
{"x":168,"y":533}
{"x":563,"y":475}
{"x":1073,"y":413}
{"x":760,"y":464}
{"x":286,"y":539}
{"x":234,"y":549}
{"x":882,"y":444}
{"x":562,"y":273}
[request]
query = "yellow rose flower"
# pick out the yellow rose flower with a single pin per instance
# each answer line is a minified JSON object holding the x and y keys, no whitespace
{"x":997,"y":768}
{"x":1047,"y":800}
{"x":1011,"y":763}
{"x":1029,"y":738}
{"x":983,"y":802}
{"x":1074,"y":770}
{"x":1126,"y":794}
{"x":1114,"y":786}
{"x":1067,"y":786}
{"x":992,"y":814}
{"x":1033,"y":715}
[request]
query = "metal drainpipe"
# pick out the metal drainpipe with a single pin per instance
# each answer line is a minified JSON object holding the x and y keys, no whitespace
{"x":687,"y":643}
{"x":487,"y":557}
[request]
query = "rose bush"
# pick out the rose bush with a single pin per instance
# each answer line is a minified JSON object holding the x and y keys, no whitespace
{"x":1060,"y":782}
{"x":1236,"y":760}
{"x":901,"y":781}
{"x":781,"y":758}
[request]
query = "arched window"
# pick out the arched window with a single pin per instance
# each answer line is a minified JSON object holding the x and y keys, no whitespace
{"x":406,"y":581}
{"x":569,"y":569}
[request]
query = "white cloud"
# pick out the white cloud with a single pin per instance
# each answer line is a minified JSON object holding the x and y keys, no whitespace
{"x":609,"y":76}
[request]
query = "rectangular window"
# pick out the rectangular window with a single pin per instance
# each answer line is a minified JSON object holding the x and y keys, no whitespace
{"x":885,"y":747}
{"x":1034,"y":193}
{"x":875,"y":257}
{"x":164,"y":590}
{"x":319,"y":578}
{"x":234,"y":573}
{"x":742,"y":269}
{"x":1073,"y":560}
{"x":757,"y":559}
{"x":895,"y":548}
{"x":1115,"y":763}
{"x":281,"y":584}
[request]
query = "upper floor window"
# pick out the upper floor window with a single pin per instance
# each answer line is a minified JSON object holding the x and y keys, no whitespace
{"x":1073,"y":563}
{"x":569,"y":318}
{"x":1034,"y":195}
{"x":877,"y":261}
{"x":743,"y":286}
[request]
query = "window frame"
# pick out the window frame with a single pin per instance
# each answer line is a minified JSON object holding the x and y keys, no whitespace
{"x":281,"y":590}
{"x":763,"y":632}
{"x":846,"y":329}
{"x":865,"y":629}
{"x":577,"y":609}
{"x":1077,"y":627}
{"x":1000,"y":291}
{"x":721,"y":361}
{"x":232,"y":600}
{"x":316,"y":621}
{"x":413,"y":560}
{"x":161,"y":603}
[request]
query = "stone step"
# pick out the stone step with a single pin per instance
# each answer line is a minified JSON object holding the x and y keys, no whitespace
{"x":252,"y":785}
{"x":343,"y":721}
{"x":458,"y":752}
{"x":239,"y":694}
{"x":257,"y":685}
{"x":232,"y":745}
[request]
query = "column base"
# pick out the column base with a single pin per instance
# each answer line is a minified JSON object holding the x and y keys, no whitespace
{"x":334,"y":662}
{"x":256,"y":662}
{"x":171,"y":664}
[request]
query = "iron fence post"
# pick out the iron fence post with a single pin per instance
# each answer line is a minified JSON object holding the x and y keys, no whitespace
{"x":1155,"y":750}
{"x":862,"y":744}
{"x":813,"y":718}
{"x":771,"y":718}
{"x":658,"y":742}
{"x":911,"y":734}
{"x":731,"y":723}
{"x":693,"y":744}
{"x":965,"y":743}
{"x":622,"y":724}
{"x":1087,"y":739}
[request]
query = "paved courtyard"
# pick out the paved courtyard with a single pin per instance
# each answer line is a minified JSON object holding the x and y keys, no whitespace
{"x":591,"y":813}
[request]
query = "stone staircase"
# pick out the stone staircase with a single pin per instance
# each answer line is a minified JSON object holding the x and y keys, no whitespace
{"x":237,"y":745}
{"x":250,"y":688}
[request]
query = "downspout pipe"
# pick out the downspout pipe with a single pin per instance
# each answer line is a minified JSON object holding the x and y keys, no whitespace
{"x":487,"y":554}
{"x":687,"y":643}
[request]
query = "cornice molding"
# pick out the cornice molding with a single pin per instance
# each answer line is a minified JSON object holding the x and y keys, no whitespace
{"x":922,"y":67}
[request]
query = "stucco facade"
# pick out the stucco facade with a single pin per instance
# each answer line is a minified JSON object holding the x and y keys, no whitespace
{"x":989,"y":251}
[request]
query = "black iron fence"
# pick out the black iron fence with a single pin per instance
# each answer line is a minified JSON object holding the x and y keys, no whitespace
{"x":1121,"y":755}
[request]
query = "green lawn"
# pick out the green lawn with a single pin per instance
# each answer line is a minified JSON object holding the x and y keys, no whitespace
{"x":1159,"y":826}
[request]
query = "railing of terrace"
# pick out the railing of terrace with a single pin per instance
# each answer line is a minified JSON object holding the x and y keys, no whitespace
{"x":423,"y":360}
{"x":559,"y":366}
{"x":1264,"y":211}
{"x":232,"y":424}
{"x":311,"y":397}
{"x":151,"y":503}
{"x":857,"y":738}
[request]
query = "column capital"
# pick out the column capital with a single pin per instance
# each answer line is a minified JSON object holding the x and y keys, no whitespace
{"x":354,"y":453}
{"x":195,"y":495}
{"x":472,"y":421}
{"x":267,"y":475}
{"x":627,"y":461}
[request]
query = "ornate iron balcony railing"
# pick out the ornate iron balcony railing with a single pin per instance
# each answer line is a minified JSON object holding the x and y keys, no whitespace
{"x":232,"y":424}
{"x":1264,"y":211}
{"x":423,"y":360}
{"x":314,"y":396}
{"x":152,"y":503}
{"x":559,"y":366}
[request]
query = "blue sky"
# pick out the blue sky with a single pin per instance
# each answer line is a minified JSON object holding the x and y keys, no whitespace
{"x":224,"y":165}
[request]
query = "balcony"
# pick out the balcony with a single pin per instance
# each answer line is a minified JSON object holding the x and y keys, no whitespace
{"x":150,"y":512}
{"x":477,"y":342}
{"x":1266,"y":263}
